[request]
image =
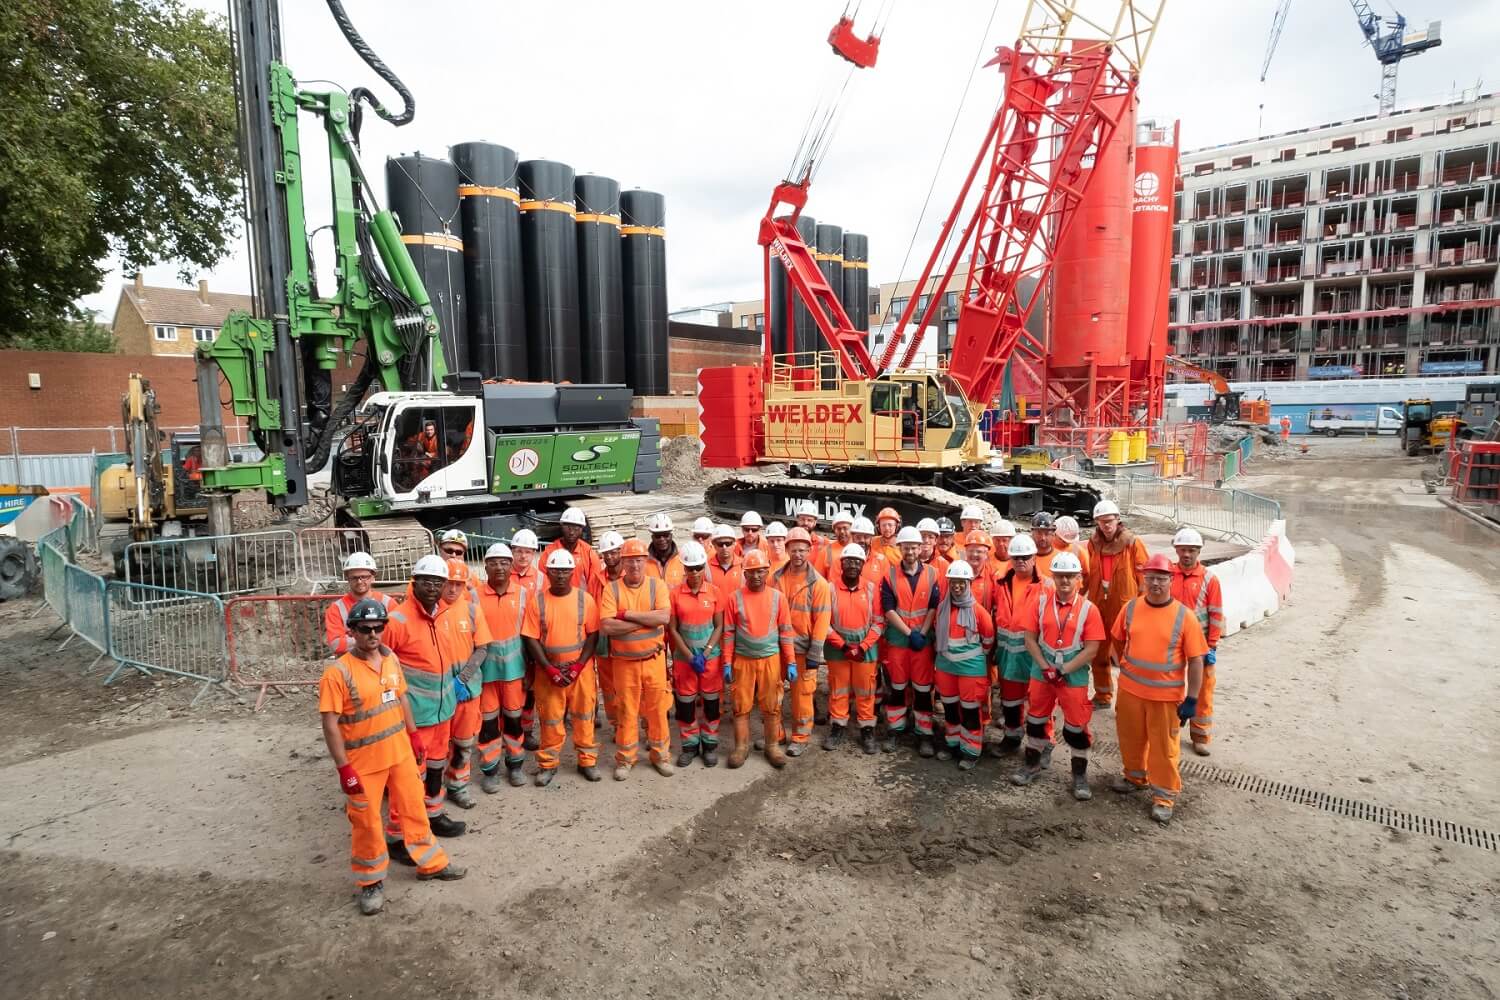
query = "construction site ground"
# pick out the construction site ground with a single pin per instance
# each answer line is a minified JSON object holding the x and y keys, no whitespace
{"x":153,"y":848}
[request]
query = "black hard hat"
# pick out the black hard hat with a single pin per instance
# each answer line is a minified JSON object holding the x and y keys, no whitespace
{"x":1042,"y":519}
{"x":366,"y":610}
{"x":945,"y":526}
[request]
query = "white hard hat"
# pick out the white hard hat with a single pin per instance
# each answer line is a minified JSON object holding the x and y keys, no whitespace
{"x":703,"y":526}
{"x":454,"y":535}
{"x":692,"y":554}
{"x":807,"y":507}
{"x":843,"y":516}
{"x":659,"y":522}
{"x":1186,"y":536}
{"x":862,"y":526}
{"x":560,"y":559}
{"x":960,"y":570}
{"x":927,"y":526}
{"x":611,"y":540}
{"x":573,"y":516}
{"x":524,"y":539}
{"x":1104,"y":507}
{"x":723,"y":531}
{"x":908,"y":534}
{"x":1067,"y":528}
{"x":751,"y":519}
{"x":852,"y":551}
{"x":776,"y":530}
{"x":971,"y":514}
{"x":1066,"y":562}
{"x":431,"y":566}
{"x":1022,"y":545}
{"x":1003,"y":530}
{"x":359,"y":560}
{"x":498,"y":551}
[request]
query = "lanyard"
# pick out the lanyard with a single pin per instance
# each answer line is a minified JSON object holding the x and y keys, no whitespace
{"x":1063,"y":625}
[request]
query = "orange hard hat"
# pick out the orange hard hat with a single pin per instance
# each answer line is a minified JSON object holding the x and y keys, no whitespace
{"x":1157,"y":564}
{"x":756,"y":559}
{"x":978,"y":537}
{"x":633,"y":547}
{"x":458,"y":570}
{"x":888,"y":514}
{"x":798,"y":535}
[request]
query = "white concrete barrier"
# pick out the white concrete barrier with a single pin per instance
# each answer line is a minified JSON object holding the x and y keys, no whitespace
{"x":1256,"y":584}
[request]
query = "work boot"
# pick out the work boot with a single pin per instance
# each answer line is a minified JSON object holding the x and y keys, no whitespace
{"x":589,"y":772}
{"x":967,"y":762}
{"x":741,"y":751}
{"x":622,"y":771}
{"x":1124,"y":786}
{"x":710,"y":754}
{"x":685,"y":757}
{"x":1162,"y":813}
{"x":795,"y":749}
{"x":774,"y":754}
{"x":892,"y":740}
{"x":867,"y":739}
{"x":820,"y":714}
{"x":924,"y":746}
{"x":544,"y":777}
{"x":399,"y":854}
{"x":1081,"y":790}
{"x":834,"y":739}
{"x":1102,"y":704}
{"x":944,"y":752}
{"x":444,"y":826}
{"x":1200,"y":748}
{"x":448,"y":873}
{"x":531,"y":743}
{"x":490,"y":782}
{"x":1031,"y":769}
{"x":1046,"y":762}
{"x":1007,"y":746}
{"x":515,"y":775}
{"x":372,"y":899}
{"x":664,"y":767}
{"x":759,"y":744}
{"x":461,"y":796}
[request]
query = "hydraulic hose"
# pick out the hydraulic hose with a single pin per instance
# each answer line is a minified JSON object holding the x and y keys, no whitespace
{"x":362,"y":95}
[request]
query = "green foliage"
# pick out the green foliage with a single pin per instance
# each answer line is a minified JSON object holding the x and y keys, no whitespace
{"x":117,"y":135}
{"x":78,"y":332}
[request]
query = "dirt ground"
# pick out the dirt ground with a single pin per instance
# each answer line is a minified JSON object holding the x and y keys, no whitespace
{"x":156,"y":849}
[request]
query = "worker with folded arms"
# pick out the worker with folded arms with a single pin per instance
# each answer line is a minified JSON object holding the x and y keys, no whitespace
{"x":467,"y":715}
{"x":1116,"y":556}
{"x":586,"y":564}
{"x":559,"y":631}
{"x":808,"y":601}
{"x":695,"y":632}
{"x":827,"y":560}
{"x":374,"y":743}
{"x":751,"y":539}
{"x":359,"y":576}
{"x":855,"y":627}
{"x":758,"y":652}
{"x":502,"y":697}
{"x":1161,"y":672}
{"x":611,"y":557}
{"x":887,"y":526}
{"x":909,"y":597}
{"x":524,"y":570}
{"x":775,"y":536}
{"x":724,"y":570}
{"x":1061,"y":641}
{"x":963,"y":635}
{"x":633,"y":613}
{"x":1016,"y":596}
{"x":663,"y":562}
{"x":1196,"y":587}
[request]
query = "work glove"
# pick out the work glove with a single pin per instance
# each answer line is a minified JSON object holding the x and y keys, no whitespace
{"x":854,"y":652}
{"x":1051,"y":674}
{"x":417,"y":749}
{"x":570,"y":673}
{"x":918,"y":640}
{"x":555,"y":675}
{"x":1187,"y":709}
{"x":700,"y":663}
{"x":349,"y":781}
{"x":1211,"y":657}
{"x":728,"y":672}
{"x":620,"y":615}
{"x":791,"y":670}
{"x":461,"y":690}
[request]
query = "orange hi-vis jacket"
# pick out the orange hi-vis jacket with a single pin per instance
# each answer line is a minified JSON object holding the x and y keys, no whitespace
{"x":890,"y":550}
{"x":644,"y":642}
{"x":596,"y":589}
{"x":1157,"y":644}
{"x":505,"y":660}
{"x":1200,"y":591}
{"x":586,"y":562}
{"x":757,"y":625}
{"x":336,"y":617}
{"x":693,"y":616}
{"x":671,"y":573}
{"x":810,"y":603}
{"x":1015,"y":600}
{"x":725,"y":581}
{"x":432,"y":649}
{"x":984,"y":588}
{"x":877,"y":567}
{"x":368,"y":698}
{"x":855,"y":618}
{"x":827,"y":558}
{"x":533,"y":579}
{"x":760,"y":543}
{"x":561,"y":624}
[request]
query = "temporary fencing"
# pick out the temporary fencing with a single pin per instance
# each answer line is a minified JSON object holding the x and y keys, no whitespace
{"x":222,"y":565}
{"x":396,"y":549}
{"x":88,"y":608}
{"x":1222,"y":512}
{"x":161,"y":630}
{"x":275,"y":642}
{"x":53,"y":552}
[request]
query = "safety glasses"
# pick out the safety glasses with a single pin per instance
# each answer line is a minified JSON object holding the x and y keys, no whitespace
{"x":369,"y":629}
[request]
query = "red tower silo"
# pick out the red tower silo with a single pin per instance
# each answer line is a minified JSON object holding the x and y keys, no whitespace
{"x":1146,"y":341}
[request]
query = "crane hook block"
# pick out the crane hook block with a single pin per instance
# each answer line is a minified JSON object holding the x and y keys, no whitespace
{"x":860,"y":51}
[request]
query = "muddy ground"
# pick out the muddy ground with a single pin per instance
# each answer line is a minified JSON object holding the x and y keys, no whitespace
{"x":150,"y":848}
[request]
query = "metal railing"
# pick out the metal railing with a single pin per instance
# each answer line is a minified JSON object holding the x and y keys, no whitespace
{"x":1226,"y":513}
{"x":222,"y":565}
{"x":275,"y":643}
{"x":396,"y":549}
{"x":160,"y":630}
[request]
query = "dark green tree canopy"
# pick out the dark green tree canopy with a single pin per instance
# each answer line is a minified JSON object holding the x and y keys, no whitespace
{"x":117,"y":134}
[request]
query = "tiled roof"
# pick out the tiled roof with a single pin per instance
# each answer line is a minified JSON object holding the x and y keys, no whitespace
{"x":183,"y":306}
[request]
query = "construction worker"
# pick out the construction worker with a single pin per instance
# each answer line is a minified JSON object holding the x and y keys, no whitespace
{"x":758,"y":650}
{"x":1001,"y":536}
{"x":909,"y":597}
{"x":976,"y":552}
{"x":855,"y":628}
{"x":1061,"y":642}
{"x":1161,"y":673}
{"x":453,"y":544}
{"x":1068,"y":540}
{"x":524,"y":570}
{"x":1116,"y":556}
{"x":586,"y":563}
{"x":359,"y":576}
{"x":877,"y":566}
{"x":467,"y":715}
{"x":703,"y":533}
{"x":827,"y":560}
{"x":951,"y":549}
{"x":887,"y":525}
{"x":1286,"y":429}
{"x":970,"y":519}
{"x":435,"y":643}
{"x":931,"y":555}
{"x":724,"y":564}
{"x":611,"y":556}
{"x":963,"y":635}
{"x":1016,"y":593}
{"x":695,"y":632}
{"x":776,"y":544}
{"x":809,"y":602}
{"x":807,"y":520}
{"x":633,"y":612}
{"x":503,"y":603}
{"x":1044,"y":535}
{"x":750,"y":538}
{"x":559,"y":630}
{"x":663,"y":561}
{"x":1199,"y":589}
{"x":375,"y":745}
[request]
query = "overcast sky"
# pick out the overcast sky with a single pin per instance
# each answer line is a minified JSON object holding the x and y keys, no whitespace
{"x":705,"y":102}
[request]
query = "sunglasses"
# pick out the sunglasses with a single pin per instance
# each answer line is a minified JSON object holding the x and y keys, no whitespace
{"x":723,"y":545}
{"x":369,"y":629}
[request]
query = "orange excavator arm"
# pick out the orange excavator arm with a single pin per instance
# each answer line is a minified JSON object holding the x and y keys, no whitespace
{"x":1191,"y":370}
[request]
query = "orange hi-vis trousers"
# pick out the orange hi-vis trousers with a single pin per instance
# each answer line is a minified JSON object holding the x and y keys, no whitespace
{"x":606,"y":667}
{"x":435,"y":741}
{"x":757,"y":684}
{"x":692,"y":690}
{"x":369,"y":857}
{"x":905,"y":667}
{"x":641,"y":691}
{"x":467,"y":718}
{"x":575,"y":704}
{"x":1202,"y":728}
{"x":803,"y":689}
{"x":1148,"y":732}
{"x":500,"y":706}
{"x":847,"y":678}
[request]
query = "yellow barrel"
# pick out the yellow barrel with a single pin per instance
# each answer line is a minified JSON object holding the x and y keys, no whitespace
{"x":1119,"y":448}
{"x":1138,"y":446}
{"x":1179,"y":461}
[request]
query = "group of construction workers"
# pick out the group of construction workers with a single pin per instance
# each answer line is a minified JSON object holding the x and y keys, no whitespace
{"x":950,"y":627}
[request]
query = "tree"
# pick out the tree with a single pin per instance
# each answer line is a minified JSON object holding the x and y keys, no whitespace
{"x":117,"y":136}
{"x":77,"y":332}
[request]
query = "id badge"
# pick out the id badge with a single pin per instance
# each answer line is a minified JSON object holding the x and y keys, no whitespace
{"x":1059,"y":659}
{"x":387,"y":696}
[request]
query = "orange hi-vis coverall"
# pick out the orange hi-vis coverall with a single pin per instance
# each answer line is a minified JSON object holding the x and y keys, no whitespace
{"x":1200,"y":591}
{"x":913,"y":599}
{"x":468,"y":715}
{"x":809,"y":601}
{"x":757,"y":641}
{"x":693,"y":618}
{"x":564,"y":626}
{"x":368,"y":698}
{"x":433,"y":649}
{"x":586,"y":562}
{"x":335,"y":618}
{"x":855,"y":620}
{"x":603,"y":665}
{"x":963,"y":671}
{"x":877,"y":568}
{"x":1155,"y":646}
{"x":504,"y":675}
{"x":533,"y":580}
{"x":1015,"y":610}
{"x":1114,"y":576}
{"x":640,"y":667}
{"x":1061,"y":632}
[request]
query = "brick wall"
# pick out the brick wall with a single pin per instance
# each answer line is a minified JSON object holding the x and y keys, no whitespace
{"x":129,"y":329}
{"x":691,"y":346}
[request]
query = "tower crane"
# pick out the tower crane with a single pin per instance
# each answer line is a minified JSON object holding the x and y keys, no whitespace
{"x":1392,"y":43}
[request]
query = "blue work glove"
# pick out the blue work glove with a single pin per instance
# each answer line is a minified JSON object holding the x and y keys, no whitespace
{"x":1211,"y":657}
{"x":461,"y":690}
{"x":791,"y":671}
{"x":918,"y":640}
{"x":700,"y":663}
{"x":1187,"y":709}
{"x":728,"y":671}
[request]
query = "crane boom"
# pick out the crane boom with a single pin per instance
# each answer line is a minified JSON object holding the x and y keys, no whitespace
{"x":1392,"y":46}
{"x":1278,"y":21}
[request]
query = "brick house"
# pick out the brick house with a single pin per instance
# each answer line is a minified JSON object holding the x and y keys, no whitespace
{"x":170,"y":321}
